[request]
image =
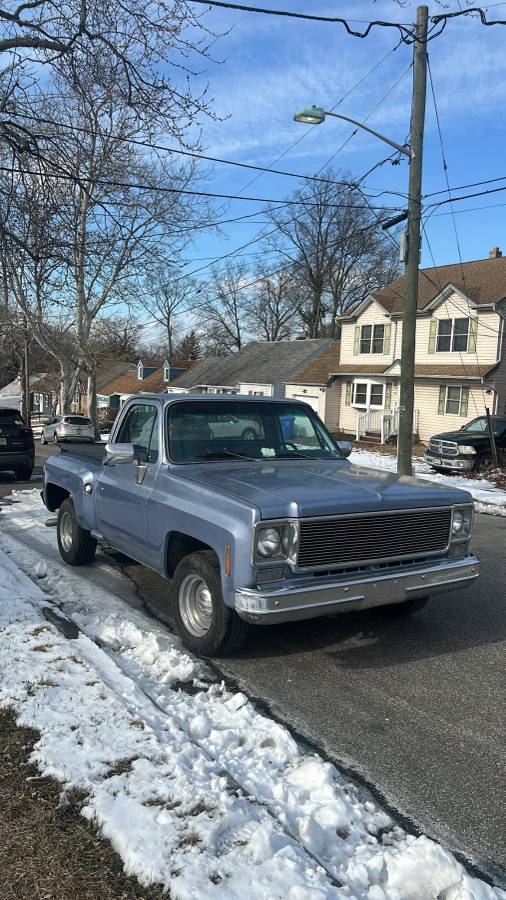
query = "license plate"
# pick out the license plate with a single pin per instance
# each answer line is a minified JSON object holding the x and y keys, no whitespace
{"x":3,"y":440}
{"x":79,"y":431}
{"x":435,"y":461}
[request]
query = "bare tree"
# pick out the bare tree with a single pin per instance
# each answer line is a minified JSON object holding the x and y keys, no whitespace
{"x":224,"y":317}
{"x":166,"y":299}
{"x":340,"y":255}
{"x":147,"y":42}
{"x":273,"y":310}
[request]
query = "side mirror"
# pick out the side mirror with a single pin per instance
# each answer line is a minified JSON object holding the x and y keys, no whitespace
{"x":345,"y":448}
{"x":119,"y":453}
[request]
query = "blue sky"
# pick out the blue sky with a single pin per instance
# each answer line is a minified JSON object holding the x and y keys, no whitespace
{"x":273,"y":66}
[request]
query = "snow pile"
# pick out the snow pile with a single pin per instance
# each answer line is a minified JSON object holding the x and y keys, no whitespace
{"x":488,"y":498}
{"x":193,"y":787}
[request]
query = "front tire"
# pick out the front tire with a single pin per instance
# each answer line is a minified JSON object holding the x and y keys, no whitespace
{"x":484,"y":462}
{"x":206,"y":625}
{"x":24,"y":474}
{"x":55,"y":438}
{"x":407,"y":608}
{"x":249,"y":434}
{"x":77,"y":546}
{"x":42,"y":440}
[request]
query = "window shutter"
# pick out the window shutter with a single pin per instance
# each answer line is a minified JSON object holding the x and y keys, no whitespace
{"x":388,"y":396}
{"x":464,"y":401}
{"x":356,"y":344}
{"x":473,"y":333}
{"x":386,"y":340}
{"x":442,"y":399}
{"x":347,"y":401}
{"x":432,"y":336}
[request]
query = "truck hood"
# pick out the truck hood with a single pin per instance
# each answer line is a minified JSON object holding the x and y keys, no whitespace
{"x":462,"y":437}
{"x":299,"y":488}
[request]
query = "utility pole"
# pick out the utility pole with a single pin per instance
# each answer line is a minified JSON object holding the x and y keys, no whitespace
{"x":407,"y":381}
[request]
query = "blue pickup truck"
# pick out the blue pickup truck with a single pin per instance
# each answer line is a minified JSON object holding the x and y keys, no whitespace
{"x":253,"y":514}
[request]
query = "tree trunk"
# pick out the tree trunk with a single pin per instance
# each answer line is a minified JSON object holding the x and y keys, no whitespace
{"x":92,"y":399}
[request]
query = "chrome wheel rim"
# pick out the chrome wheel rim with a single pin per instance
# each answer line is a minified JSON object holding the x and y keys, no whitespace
{"x":195,"y":605}
{"x":66,"y":532}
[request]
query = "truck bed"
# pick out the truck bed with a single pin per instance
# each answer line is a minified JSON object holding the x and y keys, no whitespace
{"x":85,"y":449}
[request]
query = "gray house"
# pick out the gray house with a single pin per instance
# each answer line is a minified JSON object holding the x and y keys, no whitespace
{"x":260,"y":369}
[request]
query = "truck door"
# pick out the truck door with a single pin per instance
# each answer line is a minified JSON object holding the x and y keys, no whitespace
{"x":124,"y":489}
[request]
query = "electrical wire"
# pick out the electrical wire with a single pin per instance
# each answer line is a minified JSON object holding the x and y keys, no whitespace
{"x":407,"y":34}
{"x":109,"y":182}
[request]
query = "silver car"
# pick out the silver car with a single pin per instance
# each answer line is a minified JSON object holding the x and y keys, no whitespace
{"x":67,"y":428}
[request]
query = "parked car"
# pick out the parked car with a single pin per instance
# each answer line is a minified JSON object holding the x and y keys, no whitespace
{"x":467,"y":449}
{"x":17,"y":450}
{"x":230,"y":426}
{"x":265,"y":529}
{"x":67,"y":428}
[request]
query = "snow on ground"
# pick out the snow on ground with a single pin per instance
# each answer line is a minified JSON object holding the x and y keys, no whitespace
{"x":193,"y":787}
{"x":487,"y":496}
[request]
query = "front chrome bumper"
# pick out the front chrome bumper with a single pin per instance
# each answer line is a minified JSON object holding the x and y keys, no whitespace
{"x":321,"y":597}
{"x":459,"y":463}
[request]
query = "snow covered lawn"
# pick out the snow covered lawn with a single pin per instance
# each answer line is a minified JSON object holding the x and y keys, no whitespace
{"x":193,"y":787}
{"x":487,"y":496}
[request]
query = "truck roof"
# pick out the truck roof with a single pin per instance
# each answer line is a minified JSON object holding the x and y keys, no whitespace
{"x":172,"y":398}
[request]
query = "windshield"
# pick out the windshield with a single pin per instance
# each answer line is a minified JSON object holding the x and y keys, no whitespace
{"x":480,"y":425}
{"x":238,"y":429}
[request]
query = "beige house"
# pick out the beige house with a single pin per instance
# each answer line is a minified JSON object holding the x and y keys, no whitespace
{"x":460,"y":363}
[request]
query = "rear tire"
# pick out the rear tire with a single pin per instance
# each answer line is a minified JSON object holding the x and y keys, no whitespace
{"x":77,"y":546}
{"x":206,"y":625}
{"x":407,"y":608}
{"x":24,"y":474}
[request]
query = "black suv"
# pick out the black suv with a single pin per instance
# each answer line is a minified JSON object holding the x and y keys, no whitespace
{"x":17,"y":450}
{"x":468,"y":449}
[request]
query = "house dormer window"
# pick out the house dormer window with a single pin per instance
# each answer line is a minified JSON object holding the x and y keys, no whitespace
{"x":372,"y":339}
{"x":140,"y":371}
{"x":452,"y":336}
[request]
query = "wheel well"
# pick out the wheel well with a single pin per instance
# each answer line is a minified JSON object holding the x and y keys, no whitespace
{"x":180,"y":545}
{"x":54,"y":496}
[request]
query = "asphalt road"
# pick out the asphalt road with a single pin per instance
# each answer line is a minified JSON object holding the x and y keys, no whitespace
{"x":416,"y":708}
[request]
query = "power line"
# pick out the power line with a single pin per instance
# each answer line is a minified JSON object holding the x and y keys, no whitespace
{"x":108,"y":182}
{"x":162,"y":147}
{"x":445,"y":166}
{"x":407,"y":33}
{"x":462,"y":187}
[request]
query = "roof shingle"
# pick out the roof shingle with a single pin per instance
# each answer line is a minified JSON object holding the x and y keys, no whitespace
{"x":260,"y":362}
{"x":482,"y":280}
{"x":318,"y":370}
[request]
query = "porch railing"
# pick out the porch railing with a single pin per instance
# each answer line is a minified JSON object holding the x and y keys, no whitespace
{"x":384,"y":423}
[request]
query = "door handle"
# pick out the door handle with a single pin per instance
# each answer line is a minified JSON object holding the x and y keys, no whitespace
{"x":140,"y":473}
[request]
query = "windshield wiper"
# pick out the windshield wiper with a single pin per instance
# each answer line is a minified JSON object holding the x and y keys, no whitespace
{"x":296,"y":453}
{"x":224,"y":453}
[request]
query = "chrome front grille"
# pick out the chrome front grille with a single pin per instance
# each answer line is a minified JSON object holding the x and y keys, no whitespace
{"x":443,"y":448}
{"x":341,"y":541}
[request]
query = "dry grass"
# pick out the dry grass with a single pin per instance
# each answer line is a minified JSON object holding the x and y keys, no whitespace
{"x":48,"y":851}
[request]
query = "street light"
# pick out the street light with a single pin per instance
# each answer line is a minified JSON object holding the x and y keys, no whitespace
{"x":315,"y":115}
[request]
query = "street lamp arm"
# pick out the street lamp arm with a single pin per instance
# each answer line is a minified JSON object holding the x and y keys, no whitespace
{"x":402,"y":149}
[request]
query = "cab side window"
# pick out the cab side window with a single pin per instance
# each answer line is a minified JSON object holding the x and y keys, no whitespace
{"x":140,"y":428}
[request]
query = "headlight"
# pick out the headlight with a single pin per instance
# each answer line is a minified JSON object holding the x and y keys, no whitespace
{"x":268,"y":542}
{"x":461,"y":522}
{"x":276,"y":541}
{"x":464,"y":449}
